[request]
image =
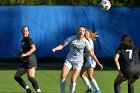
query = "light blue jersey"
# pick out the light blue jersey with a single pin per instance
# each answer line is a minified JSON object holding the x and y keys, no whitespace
{"x":89,"y":61}
{"x":76,"y":49}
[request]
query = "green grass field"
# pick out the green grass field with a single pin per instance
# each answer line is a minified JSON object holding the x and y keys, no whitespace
{"x":49,"y":82}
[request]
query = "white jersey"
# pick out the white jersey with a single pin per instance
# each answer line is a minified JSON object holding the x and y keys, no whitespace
{"x":89,"y":61}
{"x":76,"y":49}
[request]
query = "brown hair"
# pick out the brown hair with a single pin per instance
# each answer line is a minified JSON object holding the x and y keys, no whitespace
{"x":25,"y":27}
{"x":126,"y":42}
{"x":93,"y":35}
{"x":79,"y":28}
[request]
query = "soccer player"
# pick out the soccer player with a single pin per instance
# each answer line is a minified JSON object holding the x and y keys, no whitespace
{"x":127,"y":61}
{"x":74,"y":58}
{"x":90,"y":64}
{"x":29,"y":62}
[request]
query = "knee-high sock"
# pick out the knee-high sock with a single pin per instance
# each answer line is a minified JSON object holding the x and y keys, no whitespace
{"x":34,"y":84}
{"x":62,"y":85}
{"x":86,"y":81}
{"x":72,"y":87}
{"x":21,"y":82}
{"x":117,"y":88}
{"x":130,"y":88}
{"x":94,"y":83}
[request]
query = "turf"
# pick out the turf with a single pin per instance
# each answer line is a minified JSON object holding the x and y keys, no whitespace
{"x":49,"y":82}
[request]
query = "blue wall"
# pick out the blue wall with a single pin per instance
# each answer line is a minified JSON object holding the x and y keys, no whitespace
{"x":51,"y":25}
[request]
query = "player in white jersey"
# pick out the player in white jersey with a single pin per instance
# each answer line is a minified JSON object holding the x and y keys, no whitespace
{"x":74,"y":58}
{"x":90,"y":64}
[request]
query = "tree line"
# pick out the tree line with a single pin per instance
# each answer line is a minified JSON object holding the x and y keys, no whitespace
{"x":69,"y":2}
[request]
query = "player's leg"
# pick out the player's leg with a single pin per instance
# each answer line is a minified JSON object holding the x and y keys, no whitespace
{"x":76,"y":71}
{"x":85,"y":79}
{"x":73,"y":80}
{"x":31,"y":77}
{"x":131,"y":85}
{"x":90,"y":72}
{"x":65,"y":70}
{"x":119,"y":79}
{"x":21,"y":71}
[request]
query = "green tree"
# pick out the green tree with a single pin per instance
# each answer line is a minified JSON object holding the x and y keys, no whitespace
{"x":69,"y":2}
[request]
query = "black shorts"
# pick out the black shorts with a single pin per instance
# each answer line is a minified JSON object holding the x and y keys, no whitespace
{"x":29,"y":62}
{"x":130,"y":74}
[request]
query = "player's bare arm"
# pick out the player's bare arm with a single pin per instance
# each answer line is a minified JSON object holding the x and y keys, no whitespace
{"x":59,"y":47}
{"x":116,"y":62}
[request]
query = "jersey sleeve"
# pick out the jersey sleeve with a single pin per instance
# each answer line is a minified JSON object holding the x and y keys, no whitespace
{"x":91,"y":43}
{"x":30,"y":41}
{"x":69,"y":39}
{"x":88,"y":46}
{"x":118,"y":51}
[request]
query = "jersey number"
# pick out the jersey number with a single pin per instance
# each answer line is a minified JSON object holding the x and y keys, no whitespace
{"x":130,"y":53}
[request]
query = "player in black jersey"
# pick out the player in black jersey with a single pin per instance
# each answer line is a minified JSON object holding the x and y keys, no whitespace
{"x":29,"y":62}
{"x":127,"y":61}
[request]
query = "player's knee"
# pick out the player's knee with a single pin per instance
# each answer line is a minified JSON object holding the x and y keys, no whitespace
{"x":82,"y":76}
{"x":130,"y":83}
{"x":63,"y":76}
{"x":17,"y":78}
{"x":117,"y":82}
{"x":73,"y":80}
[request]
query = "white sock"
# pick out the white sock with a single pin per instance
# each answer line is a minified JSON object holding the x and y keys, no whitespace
{"x":38,"y":90}
{"x":72,"y":87}
{"x":94,"y":83}
{"x":86,"y":81}
{"x":27,"y":87}
{"x":62,"y":86}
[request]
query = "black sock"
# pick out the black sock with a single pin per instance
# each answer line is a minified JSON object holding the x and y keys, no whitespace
{"x":34,"y":83}
{"x":117,"y":88}
{"x":28,"y":90}
{"x":21,"y":81}
{"x":130,"y":88}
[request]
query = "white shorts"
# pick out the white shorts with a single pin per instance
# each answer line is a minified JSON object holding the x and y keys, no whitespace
{"x":88,"y":64}
{"x":73,"y":65}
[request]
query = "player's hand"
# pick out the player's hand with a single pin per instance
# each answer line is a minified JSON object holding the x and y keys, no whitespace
{"x":120,"y":72}
{"x":101,"y":66}
{"x":23,"y":55}
{"x":53,"y":50}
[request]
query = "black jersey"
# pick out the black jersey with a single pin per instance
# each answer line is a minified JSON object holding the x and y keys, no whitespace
{"x":30,"y":60}
{"x":129,"y":60}
{"x":26,"y":44}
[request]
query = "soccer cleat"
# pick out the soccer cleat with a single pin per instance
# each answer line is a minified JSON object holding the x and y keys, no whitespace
{"x":97,"y":91}
{"x":28,"y":90}
{"x":89,"y":90}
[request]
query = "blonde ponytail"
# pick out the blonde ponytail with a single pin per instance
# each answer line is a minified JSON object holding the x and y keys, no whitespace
{"x":93,"y":36}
